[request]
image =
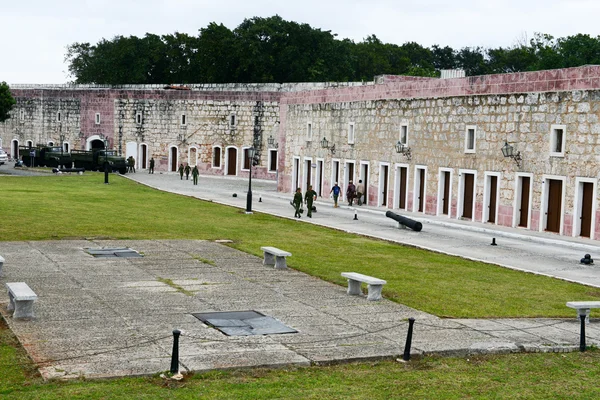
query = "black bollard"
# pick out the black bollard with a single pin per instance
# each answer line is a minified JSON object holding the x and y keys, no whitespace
{"x":355,"y":216}
{"x":582,"y":333}
{"x":175,"y":354}
{"x":406,"y":356}
{"x":106,"y":173}
{"x":260,"y":199}
{"x":493,"y":242}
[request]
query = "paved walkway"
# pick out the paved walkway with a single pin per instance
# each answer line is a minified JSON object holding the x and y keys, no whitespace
{"x":99,"y":317}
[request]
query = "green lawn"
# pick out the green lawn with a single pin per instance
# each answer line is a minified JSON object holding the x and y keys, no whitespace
{"x":63,"y":207}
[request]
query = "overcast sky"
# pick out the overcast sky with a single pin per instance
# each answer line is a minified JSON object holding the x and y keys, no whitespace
{"x":34,"y":33}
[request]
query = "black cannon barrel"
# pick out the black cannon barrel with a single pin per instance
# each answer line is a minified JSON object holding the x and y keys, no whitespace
{"x":411,"y":223}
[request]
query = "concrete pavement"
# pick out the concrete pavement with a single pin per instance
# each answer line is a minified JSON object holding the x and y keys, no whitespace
{"x":99,"y":317}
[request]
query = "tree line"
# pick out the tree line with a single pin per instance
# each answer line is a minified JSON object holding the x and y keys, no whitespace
{"x":263,"y":50}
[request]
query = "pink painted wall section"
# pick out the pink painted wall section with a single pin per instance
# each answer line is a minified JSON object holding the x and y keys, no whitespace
{"x":535,"y":220}
{"x":505,"y":215}
{"x":587,"y":77}
{"x":597,"y":229}
{"x":568,"y":225}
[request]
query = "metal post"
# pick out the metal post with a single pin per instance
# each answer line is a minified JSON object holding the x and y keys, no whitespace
{"x":582,"y":333}
{"x":106,"y":172}
{"x":175,"y":353}
{"x":249,"y":196}
{"x":406,"y":356}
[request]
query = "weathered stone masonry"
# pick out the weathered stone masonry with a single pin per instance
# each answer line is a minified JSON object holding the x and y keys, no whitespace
{"x":455,"y":129}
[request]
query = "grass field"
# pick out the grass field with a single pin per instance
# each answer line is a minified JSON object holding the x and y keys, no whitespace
{"x":65,"y":207}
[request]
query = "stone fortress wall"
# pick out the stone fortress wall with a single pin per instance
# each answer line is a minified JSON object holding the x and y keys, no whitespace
{"x":455,"y":129}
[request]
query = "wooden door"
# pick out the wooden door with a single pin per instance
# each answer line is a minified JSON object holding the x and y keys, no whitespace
{"x":492,"y":200}
{"x":421,"y":190}
{"x":586,"y":209}
{"x":554,"y":205}
{"x":308,"y":164}
{"x":365,"y":179}
{"x":144,"y":150}
{"x":174,"y":160}
{"x":446,"y":194}
{"x":403,"y":174}
{"x":231,"y":161}
{"x":351,"y":172}
{"x":524,"y":205}
{"x":467,"y":211}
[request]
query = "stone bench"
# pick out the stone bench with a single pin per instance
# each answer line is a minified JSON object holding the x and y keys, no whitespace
{"x":21,"y":300}
{"x":584,"y":307}
{"x":275,"y":256}
{"x":374,"y":285}
{"x":1,"y":264}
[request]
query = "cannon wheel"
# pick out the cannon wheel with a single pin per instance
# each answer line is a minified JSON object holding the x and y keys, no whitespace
{"x":123,"y":171}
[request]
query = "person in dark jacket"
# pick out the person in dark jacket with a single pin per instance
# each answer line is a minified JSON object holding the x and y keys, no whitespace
{"x":297,"y":202}
{"x":195,"y":174}
{"x":309,"y":197}
{"x":350,"y":193}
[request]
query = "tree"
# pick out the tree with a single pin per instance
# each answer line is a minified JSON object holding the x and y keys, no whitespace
{"x":7,"y":101}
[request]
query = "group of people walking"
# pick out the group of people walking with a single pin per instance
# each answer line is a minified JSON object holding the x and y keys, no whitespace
{"x":352,"y":192}
{"x":187,"y":170}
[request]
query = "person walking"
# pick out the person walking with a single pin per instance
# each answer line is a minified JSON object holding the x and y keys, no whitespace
{"x":297,"y":202}
{"x":131,"y":163}
{"x":187,"y":170}
{"x":195,"y":174}
{"x":336,"y":193}
{"x":151,"y":170}
{"x":350,"y":193}
{"x":180,"y":171}
{"x":360,"y":192}
{"x":309,"y":197}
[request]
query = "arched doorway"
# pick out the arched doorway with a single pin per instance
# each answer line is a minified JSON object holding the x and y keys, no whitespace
{"x":95,"y":142}
{"x":144,"y":156}
{"x":231,"y":161}
{"x":174,"y":159}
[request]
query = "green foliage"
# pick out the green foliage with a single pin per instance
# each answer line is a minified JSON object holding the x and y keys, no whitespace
{"x":6,"y":101}
{"x":272,"y":49}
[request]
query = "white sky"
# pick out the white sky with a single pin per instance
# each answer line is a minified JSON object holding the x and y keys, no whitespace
{"x":34,"y":33}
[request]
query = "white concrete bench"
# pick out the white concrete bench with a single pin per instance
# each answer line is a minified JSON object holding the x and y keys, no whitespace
{"x":275,"y":256}
{"x":21,"y":299}
{"x":584,"y":307}
{"x":1,"y":264}
{"x":374,"y":285}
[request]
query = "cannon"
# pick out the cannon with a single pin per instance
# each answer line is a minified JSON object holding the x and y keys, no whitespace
{"x":404,"y":221}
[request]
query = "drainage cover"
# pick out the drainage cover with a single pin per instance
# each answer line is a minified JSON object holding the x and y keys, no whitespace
{"x":243,"y":323}
{"x":123,"y":252}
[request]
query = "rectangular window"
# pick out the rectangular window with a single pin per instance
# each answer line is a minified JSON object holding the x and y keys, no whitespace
{"x":246,"y":164}
{"x":97,"y":119}
{"x":309,"y":131}
{"x":216,"y":157}
{"x":183,"y":121}
{"x":470,"y":139}
{"x":272,"y":160}
{"x":404,"y":134}
{"x":557,"y":141}
{"x":351,"y":133}
{"x":58,"y":116}
{"x":138,"y":118}
{"x":232,"y":121}
{"x":22,"y":114}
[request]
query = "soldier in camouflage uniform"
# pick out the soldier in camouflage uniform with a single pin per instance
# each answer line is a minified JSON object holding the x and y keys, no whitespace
{"x":195,"y":174}
{"x":297,"y":202}
{"x":309,"y":197}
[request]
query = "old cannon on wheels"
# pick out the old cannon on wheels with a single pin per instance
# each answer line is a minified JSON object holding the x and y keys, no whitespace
{"x":405,"y":221}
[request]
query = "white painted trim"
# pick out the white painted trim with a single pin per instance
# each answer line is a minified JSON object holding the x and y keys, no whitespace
{"x":237,"y":160}
{"x":89,"y":141}
{"x":403,"y":123}
{"x":351,"y":133}
{"x":212,"y":157}
{"x":360,"y":176}
{"x":380,"y":185}
{"x":544,"y":203}
{"x":487,"y":189}
{"x":517,"y":198}
{"x":332,"y":181}
{"x":319,"y":172}
{"x":578,"y":203}
{"x":417,"y":183}
{"x":474,"y":149}
{"x":441,"y":182}
{"x":461,"y":190}
{"x":141,"y":155}
{"x":309,"y":131}
{"x":347,"y":178}
{"x":552,"y":143}
{"x":190,"y":154}
{"x":270,"y":159}
{"x":171,"y":147}
{"x":244,"y":159}
{"x":97,"y":119}
{"x":13,"y":147}
{"x":397,"y":167}
{"x":295,"y":173}
{"x":305,"y":170}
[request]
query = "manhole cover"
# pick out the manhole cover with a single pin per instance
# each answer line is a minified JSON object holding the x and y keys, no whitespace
{"x":123,"y":252}
{"x":243,"y":323}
